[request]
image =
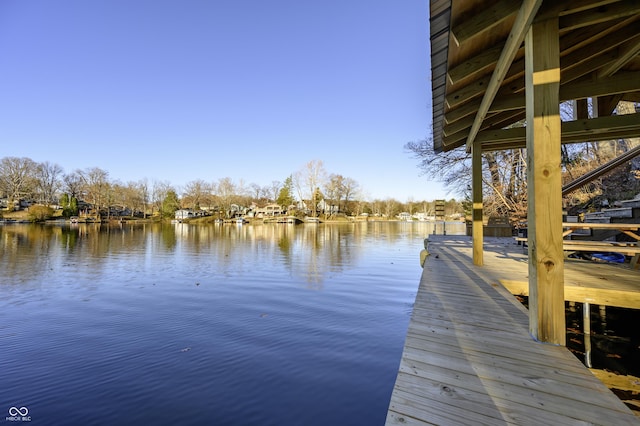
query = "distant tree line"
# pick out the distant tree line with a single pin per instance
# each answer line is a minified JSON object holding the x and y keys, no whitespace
{"x":24,"y":181}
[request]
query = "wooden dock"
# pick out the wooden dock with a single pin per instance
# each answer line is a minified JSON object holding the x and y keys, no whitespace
{"x":469,"y":359}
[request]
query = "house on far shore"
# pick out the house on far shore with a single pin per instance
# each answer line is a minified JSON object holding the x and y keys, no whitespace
{"x":421,"y":216}
{"x":269,"y":210}
{"x":328,"y":208}
{"x":405,"y":216}
{"x":184,"y":214}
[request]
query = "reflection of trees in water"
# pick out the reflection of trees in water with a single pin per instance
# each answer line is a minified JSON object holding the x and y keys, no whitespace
{"x":324,"y":249}
{"x":309,"y":252}
{"x":30,"y":252}
{"x":24,"y":251}
{"x":284,"y":244}
{"x":169,"y":237}
{"x":68,"y":238}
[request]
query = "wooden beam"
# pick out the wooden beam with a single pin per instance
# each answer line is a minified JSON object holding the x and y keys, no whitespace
{"x":568,"y":7}
{"x":473,"y":90}
{"x":581,"y":293}
{"x":477,"y":198}
{"x":475,"y":66}
{"x":516,"y":136}
{"x":544,"y":183}
{"x":491,"y":121}
{"x":483,"y":21}
{"x":477,"y":88}
{"x":582,"y":55}
{"x":505,"y":119}
{"x":496,"y":121}
{"x":621,"y":83}
{"x":583,"y":37}
{"x":605,"y":105}
{"x":626,"y":52}
{"x":618,"y":381}
{"x":631,"y":97}
{"x":581,"y":109}
{"x":521,"y":25}
{"x":587,"y":66}
{"x":592,"y":129}
{"x":600,"y":14}
{"x":603,"y":47}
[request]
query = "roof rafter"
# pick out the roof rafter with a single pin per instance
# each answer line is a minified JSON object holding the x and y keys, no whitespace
{"x":574,"y":67}
{"x":577,"y":61}
{"x":626,"y":53}
{"x":523,"y":21}
{"x":549,"y":10}
{"x":476,"y":66}
{"x":483,"y":21}
{"x":478,"y":85}
{"x":599,"y":14}
{"x":486,"y":59}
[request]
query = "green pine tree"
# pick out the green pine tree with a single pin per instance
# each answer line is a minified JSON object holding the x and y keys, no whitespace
{"x":170,"y":204}
{"x":285,"y":196}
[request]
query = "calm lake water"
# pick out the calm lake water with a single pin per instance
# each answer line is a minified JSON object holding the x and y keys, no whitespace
{"x":217,"y":325}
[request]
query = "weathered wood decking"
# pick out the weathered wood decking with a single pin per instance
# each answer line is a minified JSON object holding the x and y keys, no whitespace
{"x":469,"y":359}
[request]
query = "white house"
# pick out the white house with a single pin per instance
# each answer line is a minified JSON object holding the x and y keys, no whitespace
{"x":184,"y":214}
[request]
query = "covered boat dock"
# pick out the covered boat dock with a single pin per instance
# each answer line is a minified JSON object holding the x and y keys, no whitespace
{"x":500,"y":70}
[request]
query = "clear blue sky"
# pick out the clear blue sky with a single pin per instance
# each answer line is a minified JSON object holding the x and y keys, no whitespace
{"x":206,"y":89}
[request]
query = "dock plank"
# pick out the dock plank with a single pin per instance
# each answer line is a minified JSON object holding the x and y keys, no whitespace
{"x":469,"y":358}
{"x":481,"y":402}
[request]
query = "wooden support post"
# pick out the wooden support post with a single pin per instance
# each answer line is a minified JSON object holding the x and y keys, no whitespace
{"x":476,"y":185}
{"x":546,"y":262}
{"x":603,"y":317}
{"x":581,"y":110}
{"x":586,"y":332}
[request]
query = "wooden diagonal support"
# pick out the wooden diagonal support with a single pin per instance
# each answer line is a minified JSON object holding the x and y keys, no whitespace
{"x":520,"y":27}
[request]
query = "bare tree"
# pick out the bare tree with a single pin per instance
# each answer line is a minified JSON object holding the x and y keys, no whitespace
{"x":308,"y":180}
{"x":410,"y":205}
{"x":195,"y":193}
{"x":96,"y":187}
{"x":226,"y":191}
{"x":17,"y":178}
{"x":377,"y":207}
{"x":72,"y":184}
{"x":334,"y":189}
{"x":130,"y":196}
{"x":504,"y":175}
{"x":297,"y":181}
{"x":390,"y":207}
{"x":351,"y":188}
{"x":260,"y":194}
{"x":120,"y":197}
{"x":213,"y":198}
{"x":159,"y":191}
{"x":274,"y":190}
{"x":48,"y":181}
{"x":453,"y":168}
{"x":143,"y":187}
